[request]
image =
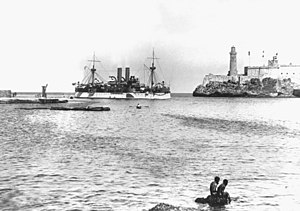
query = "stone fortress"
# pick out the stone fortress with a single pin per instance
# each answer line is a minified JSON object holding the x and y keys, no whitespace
{"x":271,"y":80}
{"x":272,"y":70}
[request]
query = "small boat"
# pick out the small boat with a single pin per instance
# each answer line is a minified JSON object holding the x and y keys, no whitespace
{"x":138,"y":106}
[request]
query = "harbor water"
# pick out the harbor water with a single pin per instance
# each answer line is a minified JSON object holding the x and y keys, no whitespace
{"x":166,"y":152}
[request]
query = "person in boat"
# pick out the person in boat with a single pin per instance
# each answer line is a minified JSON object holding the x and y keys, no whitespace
{"x":138,"y":106}
{"x":213,"y":186}
{"x":221,"y":191}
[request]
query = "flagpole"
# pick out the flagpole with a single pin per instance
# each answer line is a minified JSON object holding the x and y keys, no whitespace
{"x":249,"y":57}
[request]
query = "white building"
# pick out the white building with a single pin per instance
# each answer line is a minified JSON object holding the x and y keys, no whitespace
{"x":273,"y":70}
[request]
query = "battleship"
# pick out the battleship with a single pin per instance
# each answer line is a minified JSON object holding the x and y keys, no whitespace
{"x":128,"y":87}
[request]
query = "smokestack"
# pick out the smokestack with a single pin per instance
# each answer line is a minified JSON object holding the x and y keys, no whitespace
{"x":127,"y":74}
{"x":119,"y":74}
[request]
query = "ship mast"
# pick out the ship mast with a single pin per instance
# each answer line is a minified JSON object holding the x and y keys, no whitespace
{"x":152,"y":68}
{"x":93,"y":70}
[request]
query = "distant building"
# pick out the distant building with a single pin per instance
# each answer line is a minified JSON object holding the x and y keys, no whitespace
{"x":273,"y":70}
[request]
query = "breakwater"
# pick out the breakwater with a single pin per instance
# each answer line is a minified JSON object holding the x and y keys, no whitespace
{"x":31,"y":100}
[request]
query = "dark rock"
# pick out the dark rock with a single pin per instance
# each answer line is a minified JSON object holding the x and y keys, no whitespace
{"x":296,"y":92}
{"x":214,"y":201}
{"x":167,"y":207}
{"x":201,"y":200}
{"x":163,"y":207}
{"x":255,"y":81}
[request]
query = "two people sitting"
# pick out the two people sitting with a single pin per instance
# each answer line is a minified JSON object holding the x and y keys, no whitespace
{"x":219,"y":192}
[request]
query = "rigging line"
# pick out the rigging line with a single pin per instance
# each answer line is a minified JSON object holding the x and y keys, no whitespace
{"x":148,"y":82}
{"x":86,"y":78}
{"x":163,"y":76}
{"x":145,"y":69}
{"x":86,"y":69}
{"x":100,"y":77}
{"x":145,"y":60}
{"x":144,"y":75}
{"x":86,"y":74}
{"x":155,"y":78}
{"x":102,"y":69}
{"x":139,"y":71}
{"x":147,"y":72}
{"x":149,"y":59}
{"x":98,"y":72}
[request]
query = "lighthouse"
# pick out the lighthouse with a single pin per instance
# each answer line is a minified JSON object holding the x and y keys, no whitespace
{"x":232,"y":65}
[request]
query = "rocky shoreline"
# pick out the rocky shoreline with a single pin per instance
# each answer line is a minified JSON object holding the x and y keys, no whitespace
{"x":268,"y":87}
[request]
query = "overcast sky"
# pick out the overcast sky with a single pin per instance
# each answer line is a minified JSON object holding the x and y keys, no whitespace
{"x":49,"y":42}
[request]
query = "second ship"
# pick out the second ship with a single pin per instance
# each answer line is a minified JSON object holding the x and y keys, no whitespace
{"x":122,"y":88}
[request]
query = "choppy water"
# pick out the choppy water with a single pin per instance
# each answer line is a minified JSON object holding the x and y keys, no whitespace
{"x":168,"y":151}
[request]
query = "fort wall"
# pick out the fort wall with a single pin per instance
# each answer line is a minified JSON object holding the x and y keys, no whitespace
{"x":281,"y":72}
{"x":218,"y":78}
